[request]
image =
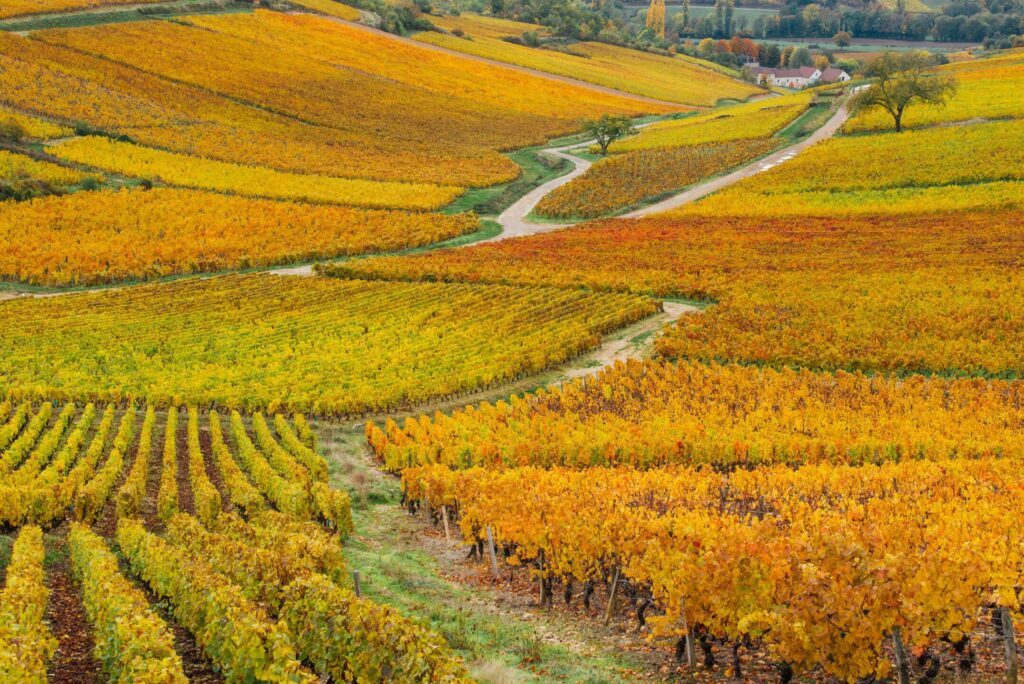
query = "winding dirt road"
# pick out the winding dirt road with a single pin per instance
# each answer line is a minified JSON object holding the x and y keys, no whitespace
{"x":772,"y":160}
{"x":515,"y":220}
{"x":622,"y":346}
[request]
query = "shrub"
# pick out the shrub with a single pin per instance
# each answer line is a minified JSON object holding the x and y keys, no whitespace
{"x":11,"y":130}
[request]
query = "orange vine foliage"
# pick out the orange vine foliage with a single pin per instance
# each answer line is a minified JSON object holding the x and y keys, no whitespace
{"x":100,"y":237}
{"x":938,"y":293}
{"x":624,"y":180}
{"x":17,"y":8}
{"x":647,"y":414}
{"x":673,"y":78}
{"x":297,"y":93}
{"x":817,"y":564}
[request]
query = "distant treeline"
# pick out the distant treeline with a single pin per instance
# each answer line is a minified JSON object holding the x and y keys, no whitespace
{"x":997,"y":23}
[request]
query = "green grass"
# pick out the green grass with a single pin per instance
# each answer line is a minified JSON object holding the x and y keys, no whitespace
{"x":585,"y":153}
{"x":535,"y":170}
{"x":491,"y":201}
{"x":696,"y":303}
{"x":115,"y":15}
{"x":498,"y":645}
{"x":6,"y":543}
{"x":805,"y":124}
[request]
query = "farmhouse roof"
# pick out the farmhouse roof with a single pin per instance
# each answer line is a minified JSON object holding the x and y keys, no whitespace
{"x":802,"y":72}
{"x":832,"y":74}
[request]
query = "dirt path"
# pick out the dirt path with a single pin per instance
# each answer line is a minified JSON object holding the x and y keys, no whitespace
{"x":774,"y":159}
{"x":73,"y":662}
{"x":515,"y":220}
{"x":632,"y":342}
{"x":497,"y":627}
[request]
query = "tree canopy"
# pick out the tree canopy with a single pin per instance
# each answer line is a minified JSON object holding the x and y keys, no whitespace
{"x":608,"y":129}
{"x":900,"y":80}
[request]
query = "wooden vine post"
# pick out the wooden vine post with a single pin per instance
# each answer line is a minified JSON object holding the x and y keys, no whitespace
{"x":1009,"y":645}
{"x":491,"y":553}
{"x":444,"y":518}
{"x":902,"y":664}
{"x":356,"y":584}
{"x":691,"y":650}
{"x":540,"y":576}
{"x":611,"y":596}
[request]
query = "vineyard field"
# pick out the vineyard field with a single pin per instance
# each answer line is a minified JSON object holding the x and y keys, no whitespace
{"x":905,"y":201}
{"x":650,"y":414}
{"x":109,"y":236}
{"x":34,"y":127}
{"x":15,"y":167}
{"x":17,"y":8}
{"x":91,"y":463}
{"x":331,"y":9}
{"x":872,"y":294}
{"x":624,"y":180}
{"x":987,"y":89}
{"x":758,"y":119}
{"x":917,"y":158}
{"x":678,"y":78}
{"x":310,"y":345}
{"x":211,"y":70}
{"x":952,"y":168}
{"x":811,"y":564}
{"x":354,"y":342}
{"x":204,"y":174}
{"x":246,"y":589}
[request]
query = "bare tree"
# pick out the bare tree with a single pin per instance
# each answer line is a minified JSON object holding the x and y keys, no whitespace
{"x":900,"y":80}
{"x":608,"y":129}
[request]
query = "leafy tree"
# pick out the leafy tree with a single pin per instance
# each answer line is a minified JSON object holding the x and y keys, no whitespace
{"x":608,"y":129}
{"x":902,"y":79}
{"x":719,"y":8}
{"x":786,"y":56}
{"x":812,"y":16}
{"x":850,"y":66}
{"x":800,"y":57}
{"x":843,"y":39}
{"x":769,"y":55}
{"x":656,"y":18}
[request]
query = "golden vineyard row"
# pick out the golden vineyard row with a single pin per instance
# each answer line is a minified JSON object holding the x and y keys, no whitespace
{"x":820,"y":565}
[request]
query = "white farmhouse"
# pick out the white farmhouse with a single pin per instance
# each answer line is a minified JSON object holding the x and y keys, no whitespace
{"x":798,"y":78}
